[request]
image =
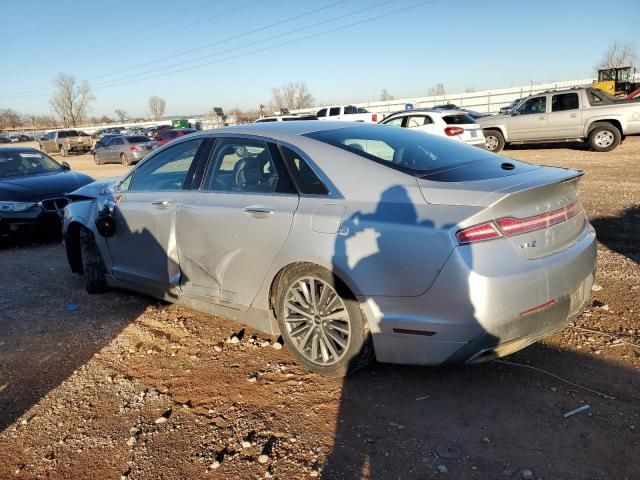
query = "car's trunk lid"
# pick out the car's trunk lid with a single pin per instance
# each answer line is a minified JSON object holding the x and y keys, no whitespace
{"x":538,"y":207}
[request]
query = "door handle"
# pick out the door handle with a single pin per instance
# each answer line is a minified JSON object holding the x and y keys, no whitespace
{"x":259,"y":212}
{"x":161,"y":204}
{"x":574,"y":115}
{"x":543,"y":117}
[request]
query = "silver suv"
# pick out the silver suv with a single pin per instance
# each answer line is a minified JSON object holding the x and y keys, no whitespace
{"x":579,"y":114}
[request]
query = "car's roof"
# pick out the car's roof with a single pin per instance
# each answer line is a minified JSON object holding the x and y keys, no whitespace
{"x":277,"y":129}
{"x":445,"y":112}
{"x":19,"y":149}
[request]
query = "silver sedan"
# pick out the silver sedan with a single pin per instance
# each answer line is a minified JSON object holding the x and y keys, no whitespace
{"x":349,"y":240}
{"x":124,"y":149}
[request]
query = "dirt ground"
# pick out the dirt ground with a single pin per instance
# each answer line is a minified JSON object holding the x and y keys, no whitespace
{"x":123,"y":386}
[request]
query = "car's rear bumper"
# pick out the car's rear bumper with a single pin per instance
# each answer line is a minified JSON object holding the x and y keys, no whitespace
{"x":486,"y":302}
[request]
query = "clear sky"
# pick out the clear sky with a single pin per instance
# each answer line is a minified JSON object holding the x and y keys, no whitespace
{"x":125,"y":48}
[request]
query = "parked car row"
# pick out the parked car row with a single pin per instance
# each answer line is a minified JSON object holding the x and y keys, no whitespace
{"x":14,"y":138}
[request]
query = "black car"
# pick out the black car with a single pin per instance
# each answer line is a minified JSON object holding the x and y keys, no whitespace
{"x":32,"y":192}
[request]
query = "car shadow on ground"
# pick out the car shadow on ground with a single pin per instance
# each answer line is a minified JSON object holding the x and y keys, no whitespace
{"x":621,"y":233}
{"x":45,"y":334}
{"x":492,"y":420}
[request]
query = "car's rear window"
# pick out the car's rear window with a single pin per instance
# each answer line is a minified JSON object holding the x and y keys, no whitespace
{"x":458,"y":119}
{"x":138,"y":139}
{"x":403,"y":149}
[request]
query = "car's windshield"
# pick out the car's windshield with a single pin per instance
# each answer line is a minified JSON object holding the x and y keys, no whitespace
{"x":17,"y":163}
{"x":407,"y":150}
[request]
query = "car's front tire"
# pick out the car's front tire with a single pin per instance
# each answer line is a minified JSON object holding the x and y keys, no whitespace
{"x":604,"y":137}
{"x":92,"y":265}
{"x":494,"y":140}
{"x":321,"y":321}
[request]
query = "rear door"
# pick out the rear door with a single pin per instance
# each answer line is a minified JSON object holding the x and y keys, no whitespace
{"x":229,"y":233}
{"x":113,"y":149}
{"x":529,"y":120}
{"x":565,"y":118}
{"x":424,"y":123}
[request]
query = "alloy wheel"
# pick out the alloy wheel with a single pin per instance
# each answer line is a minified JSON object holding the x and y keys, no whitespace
{"x":317,"y":321}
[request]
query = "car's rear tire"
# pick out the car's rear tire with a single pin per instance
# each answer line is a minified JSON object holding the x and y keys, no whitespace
{"x":63,"y":151}
{"x":125,"y":160}
{"x":604,"y":137}
{"x":494,"y":140}
{"x":97,"y":159}
{"x":92,"y":265}
{"x":321,"y":321}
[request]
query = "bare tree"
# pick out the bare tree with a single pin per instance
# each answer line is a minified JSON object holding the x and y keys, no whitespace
{"x":245,"y":116}
{"x":293,"y":95}
{"x":121,"y":114}
{"x":71,"y":99}
{"x":45,"y":121}
{"x":104,"y":119}
{"x":619,"y":55}
{"x":385,"y":96}
{"x":157,"y":106}
{"x":437,"y":90}
{"x":10,"y":118}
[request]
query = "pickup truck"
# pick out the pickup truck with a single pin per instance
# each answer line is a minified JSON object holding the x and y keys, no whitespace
{"x":65,"y":141}
{"x":582,"y":114}
{"x":348,"y":112}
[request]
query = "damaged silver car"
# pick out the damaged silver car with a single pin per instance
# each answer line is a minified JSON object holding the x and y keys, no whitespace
{"x":349,"y":240}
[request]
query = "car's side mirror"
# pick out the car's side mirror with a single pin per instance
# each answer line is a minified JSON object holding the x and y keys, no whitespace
{"x":66,"y":166}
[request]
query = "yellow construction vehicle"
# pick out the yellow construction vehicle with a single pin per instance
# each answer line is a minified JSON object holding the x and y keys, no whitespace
{"x":617,"y":80}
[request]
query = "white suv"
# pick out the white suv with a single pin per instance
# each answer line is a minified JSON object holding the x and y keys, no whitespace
{"x":453,"y":124}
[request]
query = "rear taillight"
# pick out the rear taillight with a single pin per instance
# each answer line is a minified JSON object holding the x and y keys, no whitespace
{"x":510,"y":226}
{"x":374,"y":117}
{"x":453,"y":131}
{"x":134,"y":148}
{"x":514,"y":226}
{"x":478,"y":233}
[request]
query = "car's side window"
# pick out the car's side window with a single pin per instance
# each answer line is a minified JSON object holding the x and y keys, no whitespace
{"x":395,"y":122}
{"x":242,"y":165}
{"x":304,"y":177}
{"x":564,"y":101}
{"x":322,"y":113}
{"x":418,"y":121}
{"x":334,"y":111}
{"x":167,"y":170}
{"x":115,"y":141}
{"x":533,"y":106}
